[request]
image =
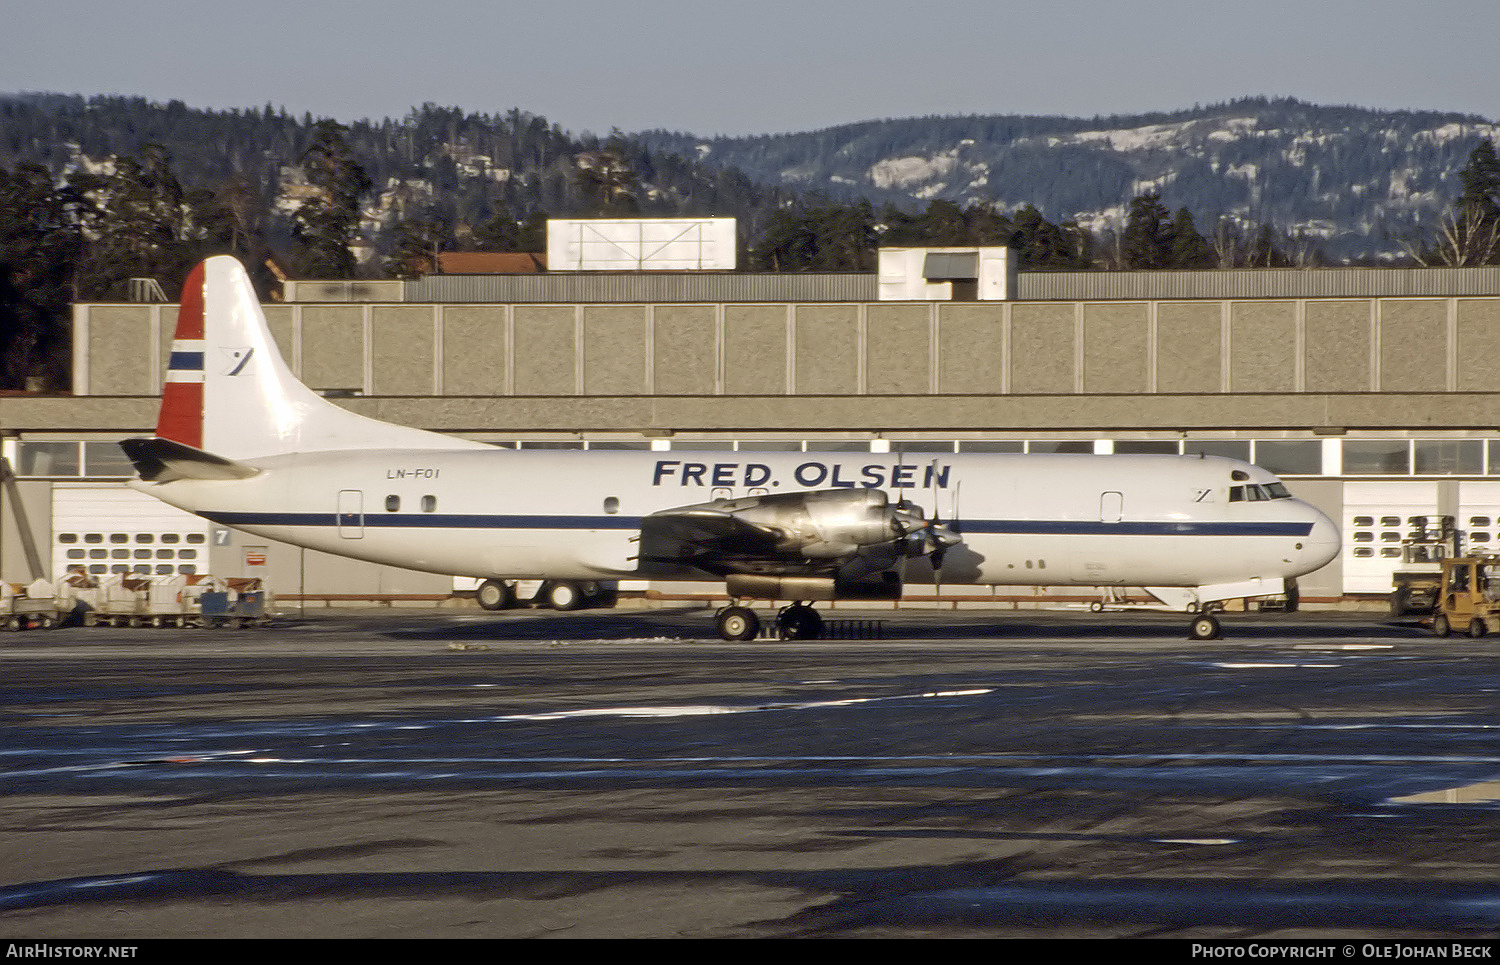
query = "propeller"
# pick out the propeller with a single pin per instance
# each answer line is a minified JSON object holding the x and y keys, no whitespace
{"x":917,"y":534}
{"x":945,"y":536}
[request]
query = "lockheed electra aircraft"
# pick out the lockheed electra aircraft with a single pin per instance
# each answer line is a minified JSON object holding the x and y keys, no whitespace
{"x":243,"y":443}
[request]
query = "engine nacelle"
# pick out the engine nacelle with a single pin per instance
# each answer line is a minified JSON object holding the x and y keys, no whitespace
{"x":886,"y":586}
{"x":826,"y":524}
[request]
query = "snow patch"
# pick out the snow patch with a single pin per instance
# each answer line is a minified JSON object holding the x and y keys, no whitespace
{"x":902,"y":172}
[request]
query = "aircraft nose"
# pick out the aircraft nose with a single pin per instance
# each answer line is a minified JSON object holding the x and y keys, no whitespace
{"x":1321,"y":544}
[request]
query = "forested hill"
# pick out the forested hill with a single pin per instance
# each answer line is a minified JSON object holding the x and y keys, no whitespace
{"x":1356,"y":181}
{"x":459,"y":170}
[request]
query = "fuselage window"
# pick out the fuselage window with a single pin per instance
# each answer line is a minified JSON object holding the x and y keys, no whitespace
{"x":611,"y":504}
{"x":1278,"y":491}
{"x":429,"y":504}
{"x":1236,"y":494}
{"x":392,"y":504}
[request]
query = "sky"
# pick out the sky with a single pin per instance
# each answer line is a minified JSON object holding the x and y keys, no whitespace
{"x":757,"y":66}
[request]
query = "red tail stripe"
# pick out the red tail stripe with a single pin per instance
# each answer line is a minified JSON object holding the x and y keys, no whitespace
{"x":181,"y":416}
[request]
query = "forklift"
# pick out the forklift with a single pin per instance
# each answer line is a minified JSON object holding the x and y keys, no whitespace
{"x":1470,"y":596}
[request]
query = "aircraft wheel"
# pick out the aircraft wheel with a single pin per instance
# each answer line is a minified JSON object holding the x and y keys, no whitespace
{"x":800,"y":622}
{"x":1440,"y":625}
{"x":494,"y":595}
{"x":738,"y":623}
{"x":564,"y":596}
{"x":1476,"y":627}
{"x":1096,"y":607}
{"x":1204,"y":627}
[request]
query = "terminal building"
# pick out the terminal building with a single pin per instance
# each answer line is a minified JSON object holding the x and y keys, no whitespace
{"x":1374,"y":393}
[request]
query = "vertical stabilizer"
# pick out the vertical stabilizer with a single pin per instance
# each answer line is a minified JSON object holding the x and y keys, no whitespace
{"x":228,"y":390}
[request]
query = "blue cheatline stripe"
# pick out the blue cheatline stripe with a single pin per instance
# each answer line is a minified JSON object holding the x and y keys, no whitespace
{"x":186,"y":361}
{"x":1065,"y":527}
{"x":1016,"y":527}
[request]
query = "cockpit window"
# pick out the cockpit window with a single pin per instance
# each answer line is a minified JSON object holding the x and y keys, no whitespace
{"x":1258,"y":494}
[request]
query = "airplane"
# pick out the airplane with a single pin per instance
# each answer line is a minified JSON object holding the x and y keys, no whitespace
{"x":240,"y":441}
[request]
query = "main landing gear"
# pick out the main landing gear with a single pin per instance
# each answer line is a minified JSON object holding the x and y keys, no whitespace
{"x":1205,"y":626}
{"x":796,"y":622}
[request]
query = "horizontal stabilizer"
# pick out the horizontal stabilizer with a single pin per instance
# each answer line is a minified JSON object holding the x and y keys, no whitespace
{"x":162,"y":460}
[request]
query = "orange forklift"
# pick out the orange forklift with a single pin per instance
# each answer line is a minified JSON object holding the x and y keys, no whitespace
{"x":1470,"y":596}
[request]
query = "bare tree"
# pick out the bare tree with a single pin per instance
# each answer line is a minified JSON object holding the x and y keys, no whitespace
{"x":1465,"y":239}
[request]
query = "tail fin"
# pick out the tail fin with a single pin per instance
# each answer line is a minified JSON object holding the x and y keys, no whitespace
{"x":229,"y":392}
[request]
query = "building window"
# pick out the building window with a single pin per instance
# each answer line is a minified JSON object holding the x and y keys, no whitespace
{"x":988,"y":446}
{"x":1146,"y":447}
{"x":1228,"y":448}
{"x":1290,"y":457}
{"x":73,"y":459}
{"x":1377,"y":457}
{"x":47,"y":459}
{"x":1455,"y":457}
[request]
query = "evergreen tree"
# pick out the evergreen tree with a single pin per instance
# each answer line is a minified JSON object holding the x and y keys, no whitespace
{"x":328,"y":223}
{"x":1146,"y":242}
{"x":40,"y":245}
{"x":504,"y":233}
{"x":140,"y":224}
{"x":418,"y":242}
{"x":1470,"y":233}
{"x":1189,"y":248}
{"x":1481,"y":182}
{"x":1044,"y":246}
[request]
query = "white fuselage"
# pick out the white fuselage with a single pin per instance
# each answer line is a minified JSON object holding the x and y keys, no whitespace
{"x":570,"y":515}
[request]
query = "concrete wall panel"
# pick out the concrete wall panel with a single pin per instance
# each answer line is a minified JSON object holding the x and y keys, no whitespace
{"x":333,"y":346}
{"x":684,"y":349}
{"x":755,"y":347}
{"x":1116,"y":355}
{"x":1189,"y":347}
{"x":1336,"y":346}
{"x":970,"y":347}
{"x":898,"y":349}
{"x":1262,"y":346}
{"x":1413,"y":344}
{"x":1478,"y":348}
{"x":403,"y":355}
{"x":827,"y":347}
{"x":474,"y":356}
{"x":545,"y":351}
{"x":120,"y":358}
{"x":283,"y":332}
{"x":1042,"y":348}
{"x":614,"y":350}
